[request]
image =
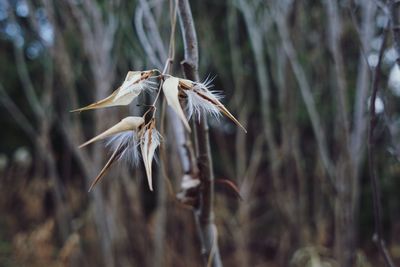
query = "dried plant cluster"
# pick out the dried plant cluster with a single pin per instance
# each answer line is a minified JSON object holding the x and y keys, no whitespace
{"x":133,"y":133}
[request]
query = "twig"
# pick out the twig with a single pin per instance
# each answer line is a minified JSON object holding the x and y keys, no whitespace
{"x":376,"y":198}
{"x":335,"y":28}
{"x":17,"y":114}
{"x":204,"y":213}
{"x":308,"y":98}
{"x":25,"y":78}
{"x":146,"y":44}
{"x":156,"y":40}
{"x":159,"y":249}
{"x":395,"y":25}
{"x":263,"y":81}
{"x":97,"y":39}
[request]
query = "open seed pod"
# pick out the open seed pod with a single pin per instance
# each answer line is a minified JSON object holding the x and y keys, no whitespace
{"x":135,"y":83}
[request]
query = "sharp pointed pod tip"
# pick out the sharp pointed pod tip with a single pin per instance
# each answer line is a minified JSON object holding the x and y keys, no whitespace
{"x":91,"y":186}
{"x":187,"y":127}
{"x":83,"y":145}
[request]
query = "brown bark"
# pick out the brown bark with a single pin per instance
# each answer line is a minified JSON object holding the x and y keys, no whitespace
{"x":204,"y":214}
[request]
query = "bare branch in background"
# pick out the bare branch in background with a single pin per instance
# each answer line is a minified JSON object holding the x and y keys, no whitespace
{"x":146,"y":44}
{"x":394,"y":7}
{"x":97,"y":31}
{"x":376,"y":191}
{"x":161,"y":213}
{"x":154,"y":34}
{"x":346,"y":183}
{"x":305,"y":89}
{"x":27,"y":85}
{"x":17,"y":114}
{"x":335,"y":32}
{"x":363,"y":81}
{"x":262,"y":77}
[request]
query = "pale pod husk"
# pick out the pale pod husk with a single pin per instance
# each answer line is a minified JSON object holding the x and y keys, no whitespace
{"x":130,"y":123}
{"x":171,"y":93}
{"x":203,"y":93}
{"x":133,"y":85}
{"x":150,"y":140}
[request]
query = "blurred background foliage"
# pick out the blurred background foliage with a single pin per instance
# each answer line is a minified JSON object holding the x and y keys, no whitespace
{"x":298,"y":75}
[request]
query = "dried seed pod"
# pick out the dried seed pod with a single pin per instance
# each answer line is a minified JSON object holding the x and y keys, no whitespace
{"x":114,"y":157}
{"x":135,"y":83}
{"x":171,"y":92}
{"x":203,"y":100}
{"x":129,"y":123}
{"x":149,"y":142}
{"x":123,"y":143}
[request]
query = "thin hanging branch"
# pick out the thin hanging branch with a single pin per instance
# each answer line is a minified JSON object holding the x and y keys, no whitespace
{"x":204,"y":214}
{"x":395,"y":25}
{"x":376,"y":196}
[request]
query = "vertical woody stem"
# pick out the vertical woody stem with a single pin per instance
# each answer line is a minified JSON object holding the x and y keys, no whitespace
{"x":376,"y":193}
{"x":395,"y":25}
{"x":204,"y":214}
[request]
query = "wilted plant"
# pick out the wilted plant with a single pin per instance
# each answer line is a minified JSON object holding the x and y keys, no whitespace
{"x":125,"y":137}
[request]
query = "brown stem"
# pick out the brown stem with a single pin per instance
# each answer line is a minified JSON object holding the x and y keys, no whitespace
{"x":394,"y":17}
{"x":376,"y":195}
{"x":204,"y":215}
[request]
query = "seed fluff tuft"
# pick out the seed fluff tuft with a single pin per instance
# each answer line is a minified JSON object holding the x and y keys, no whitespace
{"x":129,"y":139}
{"x":198,"y":99}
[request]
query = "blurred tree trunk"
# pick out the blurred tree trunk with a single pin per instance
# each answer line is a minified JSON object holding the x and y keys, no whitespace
{"x":242,"y":235}
{"x":345,"y":227}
